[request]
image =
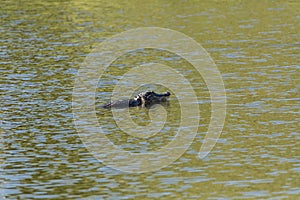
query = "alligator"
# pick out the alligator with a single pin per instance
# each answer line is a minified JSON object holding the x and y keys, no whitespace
{"x":143,"y":99}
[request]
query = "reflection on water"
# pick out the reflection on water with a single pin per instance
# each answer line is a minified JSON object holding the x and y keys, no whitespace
{"x":256,"y":47}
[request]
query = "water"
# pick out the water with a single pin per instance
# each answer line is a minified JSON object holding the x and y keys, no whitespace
{"x":256,"y":48}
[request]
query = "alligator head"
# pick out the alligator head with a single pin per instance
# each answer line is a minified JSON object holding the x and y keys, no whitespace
{"x":144,"y":99}
{"x":150,"y":98}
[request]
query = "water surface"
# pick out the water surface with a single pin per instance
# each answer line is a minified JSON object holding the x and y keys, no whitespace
{"x":256,"y":48}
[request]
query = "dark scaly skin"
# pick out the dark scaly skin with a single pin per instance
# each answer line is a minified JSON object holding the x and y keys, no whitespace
{"x":144,"y":99}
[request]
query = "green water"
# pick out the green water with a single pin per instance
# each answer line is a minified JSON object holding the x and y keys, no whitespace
{"x":256,"y":47}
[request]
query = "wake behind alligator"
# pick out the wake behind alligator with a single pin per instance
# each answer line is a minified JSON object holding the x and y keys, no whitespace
{"x":144,"y":99}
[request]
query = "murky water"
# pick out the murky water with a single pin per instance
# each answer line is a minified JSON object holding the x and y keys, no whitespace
{"x":256,"y":47}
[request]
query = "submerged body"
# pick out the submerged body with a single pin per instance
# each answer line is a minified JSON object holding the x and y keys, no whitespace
{"x":144,"y":99}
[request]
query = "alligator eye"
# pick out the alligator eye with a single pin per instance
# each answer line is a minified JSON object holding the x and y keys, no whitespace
{"x":148,"y":93}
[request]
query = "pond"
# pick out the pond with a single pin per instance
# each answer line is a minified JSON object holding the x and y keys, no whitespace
{"x":47,"y":153}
